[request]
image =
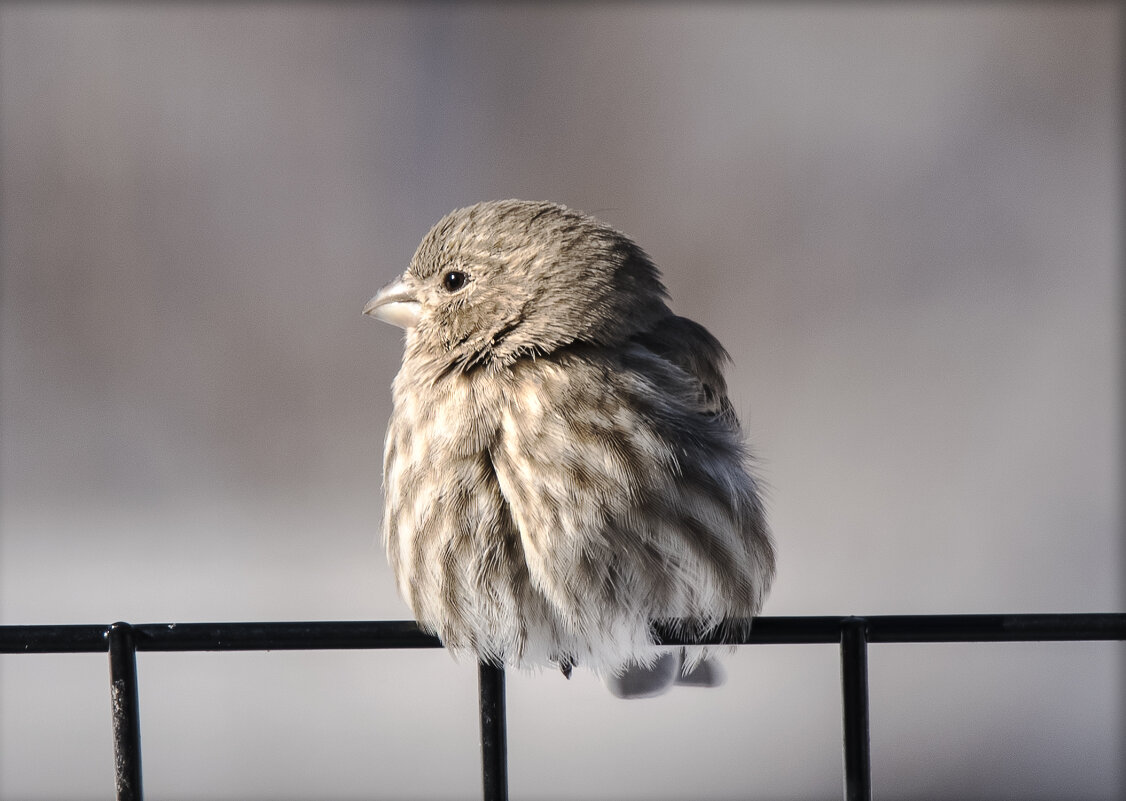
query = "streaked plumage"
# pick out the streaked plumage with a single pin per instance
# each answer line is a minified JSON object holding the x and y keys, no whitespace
{"x":562,"y":465}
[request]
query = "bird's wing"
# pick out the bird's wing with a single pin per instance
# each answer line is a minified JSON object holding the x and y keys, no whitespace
{"x":691,"y":347}
{"x":632,"y":501}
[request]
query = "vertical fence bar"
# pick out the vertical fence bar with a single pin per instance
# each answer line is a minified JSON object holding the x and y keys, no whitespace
{"x":854,"y":691}
{"x":494,"y":733}
{"x":126,"y":711}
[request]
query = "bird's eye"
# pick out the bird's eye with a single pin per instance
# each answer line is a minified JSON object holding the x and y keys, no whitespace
{"x":454,"y":280}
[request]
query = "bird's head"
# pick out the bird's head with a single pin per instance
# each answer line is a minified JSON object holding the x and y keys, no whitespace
{"x":504,"y":279}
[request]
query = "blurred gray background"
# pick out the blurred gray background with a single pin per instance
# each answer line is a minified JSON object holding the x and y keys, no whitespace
{"x":900,"y":219}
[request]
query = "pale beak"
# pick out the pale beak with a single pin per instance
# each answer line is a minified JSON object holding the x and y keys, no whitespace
{"x":395,"y":304}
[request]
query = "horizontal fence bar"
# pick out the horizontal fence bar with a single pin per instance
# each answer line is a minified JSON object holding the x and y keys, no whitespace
{"x":352,"y":634}
{"x":996,"y":628}
{"x":308,"y":635}
{"x":919,"y":628}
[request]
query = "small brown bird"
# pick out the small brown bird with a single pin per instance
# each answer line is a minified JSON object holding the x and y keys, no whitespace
{"x":563,"y":466}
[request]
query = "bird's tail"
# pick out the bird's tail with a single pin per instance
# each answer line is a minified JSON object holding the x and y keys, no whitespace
{"x":671,"y":668}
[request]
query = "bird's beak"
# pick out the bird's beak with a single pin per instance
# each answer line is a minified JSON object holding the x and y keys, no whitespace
{"x":395,"y":304}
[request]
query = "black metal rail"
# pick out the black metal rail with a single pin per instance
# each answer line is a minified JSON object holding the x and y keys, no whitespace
{"x":122,"y":641}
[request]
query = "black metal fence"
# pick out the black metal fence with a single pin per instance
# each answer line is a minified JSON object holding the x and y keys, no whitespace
{"x":122,"y":641}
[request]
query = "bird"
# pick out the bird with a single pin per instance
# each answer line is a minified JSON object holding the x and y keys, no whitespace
{"x":563,"y":468}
